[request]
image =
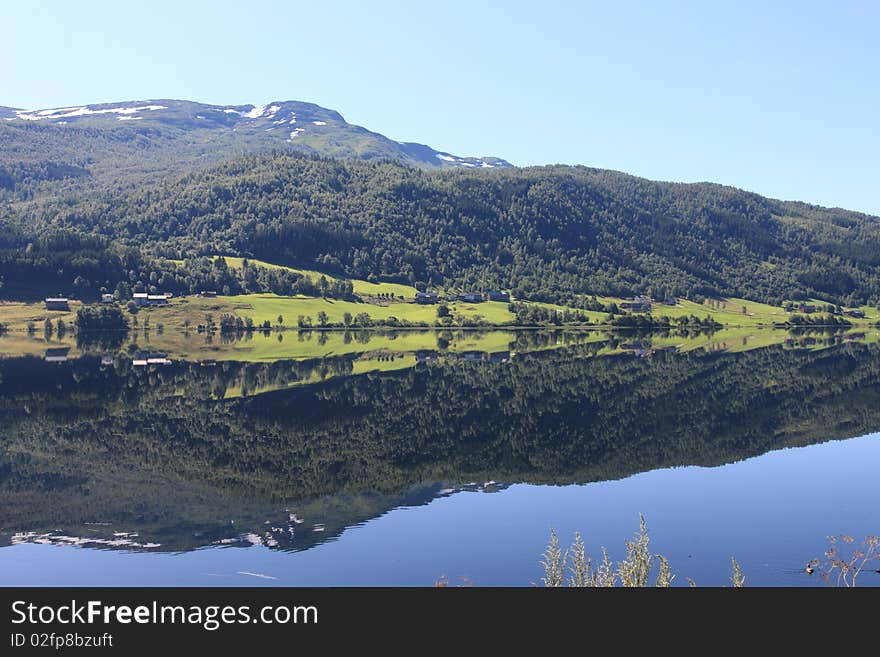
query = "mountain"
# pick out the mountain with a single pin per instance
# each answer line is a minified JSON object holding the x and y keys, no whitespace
{"x":554,"y":233}
{"x":93,"y":196}
{"x":114,"y":140}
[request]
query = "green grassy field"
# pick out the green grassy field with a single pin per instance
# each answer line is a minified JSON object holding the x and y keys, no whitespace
{"x":182,"y":311}
{"x":732,"y":311}
{"x":262,"y":307}
{"x":595,"y":316}
{"x":871,"y":314}
{"x":361,"y":287}
{"x":16,"y":315}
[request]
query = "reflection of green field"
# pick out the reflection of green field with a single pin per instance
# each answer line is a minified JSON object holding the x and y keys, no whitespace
{"x":374,"y":344}
{"x":16,"y":344}
{"x":364,"y":365}
{"x":319,"y":344}
{"x":294,"y":345}
{"x":728,"y":339}
{"x":740,"y":339}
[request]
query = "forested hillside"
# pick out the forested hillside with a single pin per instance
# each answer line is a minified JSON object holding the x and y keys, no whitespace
{"x":547,"y":233}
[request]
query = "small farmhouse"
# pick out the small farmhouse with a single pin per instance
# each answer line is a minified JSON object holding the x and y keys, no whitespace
{"x":143,"y":358}
{"x":636,"y":305}
{"x":470,"y":297}
{"x":107,"y":298}
{"x":498,"y":357}
{"x":144,"y":299}
{"x":427,"y":297}
{"x":57,"y":303}
{"x":497,"y":295}
{"x":637,"y":348}
{"x":56,"y":354}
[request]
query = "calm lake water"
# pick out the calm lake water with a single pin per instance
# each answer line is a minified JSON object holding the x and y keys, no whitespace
{"x":385,"y":464}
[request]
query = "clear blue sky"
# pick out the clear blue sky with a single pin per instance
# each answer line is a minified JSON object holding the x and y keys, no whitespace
{"x":777,"y":97}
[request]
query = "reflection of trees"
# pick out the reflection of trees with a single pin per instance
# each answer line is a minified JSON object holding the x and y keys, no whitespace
{"x":556,"y":416}
{"x":100,"y":340}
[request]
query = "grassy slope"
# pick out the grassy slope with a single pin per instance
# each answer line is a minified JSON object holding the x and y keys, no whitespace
{"x":17,"y":314}
{"x":361,"y":288}
{"x":261,"y":307}
{"x":728,"y":311}
{"x":871,"y":314}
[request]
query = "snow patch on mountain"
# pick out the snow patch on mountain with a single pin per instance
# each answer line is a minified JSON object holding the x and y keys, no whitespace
{"x":469,"y":162}
{"x":73,"y":112}
{"x":292,"y":117}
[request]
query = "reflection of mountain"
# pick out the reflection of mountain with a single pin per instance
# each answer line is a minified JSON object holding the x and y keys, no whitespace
{"x":254,"y":523}
{"x":159,"y":452}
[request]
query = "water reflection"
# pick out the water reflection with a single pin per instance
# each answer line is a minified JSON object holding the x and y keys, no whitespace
{"x":139,"y":449}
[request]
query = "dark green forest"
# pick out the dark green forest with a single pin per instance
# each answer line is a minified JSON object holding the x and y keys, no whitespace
{"x":159,"y":450}
{"x":553,"y":233}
